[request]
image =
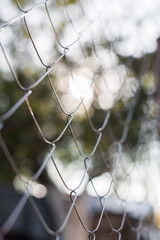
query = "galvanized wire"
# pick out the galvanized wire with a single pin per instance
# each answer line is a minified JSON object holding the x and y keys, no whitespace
{"x":70,"y":116}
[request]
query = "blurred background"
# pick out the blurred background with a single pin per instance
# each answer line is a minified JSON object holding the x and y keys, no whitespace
{"x":93,"y":69}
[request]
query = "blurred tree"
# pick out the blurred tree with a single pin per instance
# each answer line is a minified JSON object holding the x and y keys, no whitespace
{"x":20,"y":133}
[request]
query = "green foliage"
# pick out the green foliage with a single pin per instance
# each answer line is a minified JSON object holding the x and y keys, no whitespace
{"x":21,"y":135}
{"x":62,"y":2}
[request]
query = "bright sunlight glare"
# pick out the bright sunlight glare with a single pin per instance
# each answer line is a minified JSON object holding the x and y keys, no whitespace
{"x":81,"y":87}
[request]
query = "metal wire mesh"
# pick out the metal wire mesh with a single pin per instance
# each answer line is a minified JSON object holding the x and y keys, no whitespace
{"x":98,"y":75}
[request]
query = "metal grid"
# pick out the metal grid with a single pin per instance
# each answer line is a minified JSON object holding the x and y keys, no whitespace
{"x":87,"y":159}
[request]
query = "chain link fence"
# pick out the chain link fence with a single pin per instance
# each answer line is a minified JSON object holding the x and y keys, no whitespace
{"x":69,"y":99}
